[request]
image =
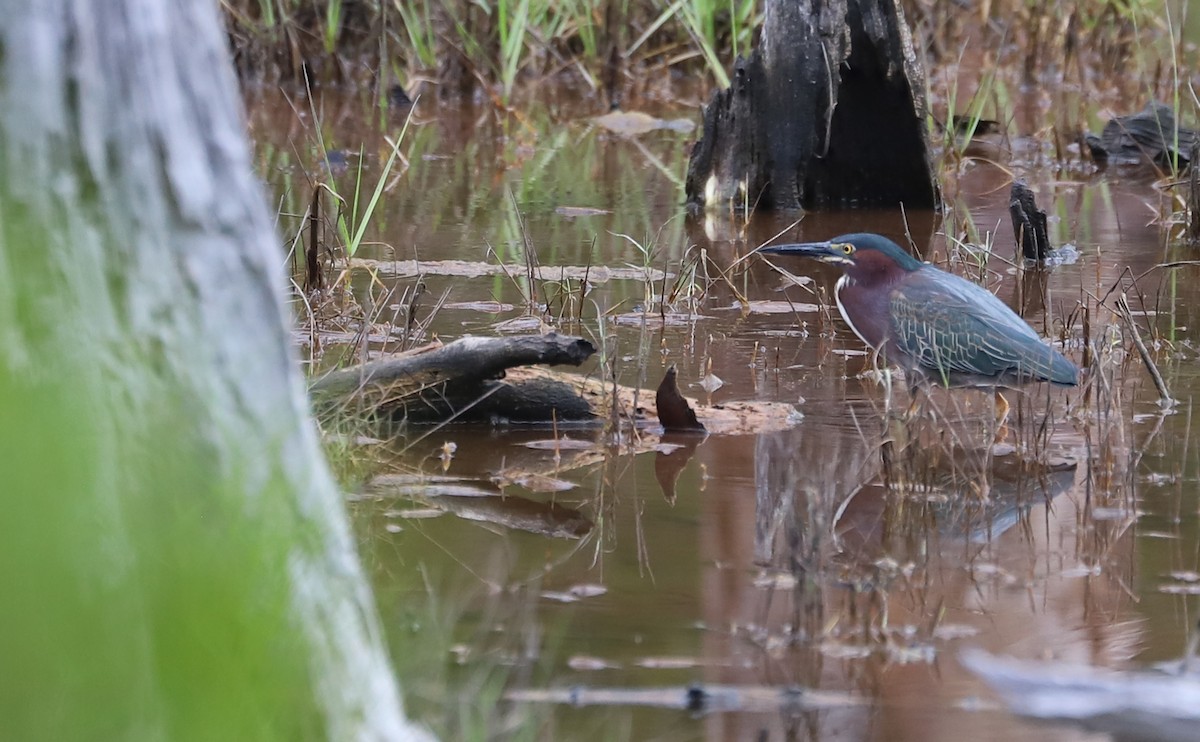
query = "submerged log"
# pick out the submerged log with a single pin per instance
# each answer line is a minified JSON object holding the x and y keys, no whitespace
{"x":829,"y":111}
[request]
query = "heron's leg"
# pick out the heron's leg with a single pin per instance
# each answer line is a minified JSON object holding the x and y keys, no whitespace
{"x":914,"y":398}
{"x":1002,"y":409}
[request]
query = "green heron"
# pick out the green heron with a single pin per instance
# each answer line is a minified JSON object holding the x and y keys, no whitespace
{"x":934,"y":325}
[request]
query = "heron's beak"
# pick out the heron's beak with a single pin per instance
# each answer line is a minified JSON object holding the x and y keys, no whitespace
{"x":826,"y":252}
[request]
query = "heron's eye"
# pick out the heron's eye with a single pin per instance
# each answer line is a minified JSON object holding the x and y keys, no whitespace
{"x":847,"y":248}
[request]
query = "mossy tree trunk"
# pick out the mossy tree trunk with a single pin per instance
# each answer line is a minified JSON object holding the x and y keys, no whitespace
{"x":178,"y":560}
{"x":828,"y":112}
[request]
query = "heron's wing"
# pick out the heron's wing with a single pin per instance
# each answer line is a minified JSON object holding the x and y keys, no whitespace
{"x":948,"y":325}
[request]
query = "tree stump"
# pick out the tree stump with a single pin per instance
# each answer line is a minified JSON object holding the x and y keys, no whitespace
{"x":1029,"y":223}
{"x":828,"y":112}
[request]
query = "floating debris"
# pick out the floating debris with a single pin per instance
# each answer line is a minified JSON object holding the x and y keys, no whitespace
{"x":487,"y":307}
{"x":584,"y":663}
{"x":770,"y":306}
{"x":575,"y":594}
{"x":534,"y":482}
{"x":1130,"y":705}
{"x":572,"y":212}
{"x":711,"y":383}
{"x":696,"y":698}
{"x":560,"y":444}
{"x":635,"y":123}
{"x":657,"y":319}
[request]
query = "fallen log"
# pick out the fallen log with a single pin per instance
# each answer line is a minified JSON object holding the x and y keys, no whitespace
{"x":460,"y":381}
{"x":490,"y":380}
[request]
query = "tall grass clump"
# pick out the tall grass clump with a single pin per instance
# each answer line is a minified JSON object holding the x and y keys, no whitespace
{"x":464,"y":45}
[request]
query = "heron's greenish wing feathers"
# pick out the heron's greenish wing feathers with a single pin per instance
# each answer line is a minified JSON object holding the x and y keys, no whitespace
{"x":957,"y":327}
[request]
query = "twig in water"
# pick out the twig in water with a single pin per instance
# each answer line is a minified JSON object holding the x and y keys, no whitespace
{"x":1164,"y":396}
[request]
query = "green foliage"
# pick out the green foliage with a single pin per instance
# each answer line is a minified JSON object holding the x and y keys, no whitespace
{"x":493,"y":42}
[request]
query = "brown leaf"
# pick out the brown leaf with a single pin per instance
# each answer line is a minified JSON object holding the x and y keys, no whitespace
{"x":674,"y":412}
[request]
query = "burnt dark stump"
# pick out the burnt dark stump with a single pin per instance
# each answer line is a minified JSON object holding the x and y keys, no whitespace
{"x":1029,"y":223}
{"x":828,"y":112}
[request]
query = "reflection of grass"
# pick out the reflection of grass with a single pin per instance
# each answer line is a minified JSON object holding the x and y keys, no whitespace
{"x":454,"y":199}
{"x":443,"y":641}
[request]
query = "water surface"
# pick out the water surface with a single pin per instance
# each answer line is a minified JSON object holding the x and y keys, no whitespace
{"x":776,"y":560}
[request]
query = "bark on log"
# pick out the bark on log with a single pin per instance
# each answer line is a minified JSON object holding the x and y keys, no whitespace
{"x":149,"y":284}
{"x":828,"y":112}
{"x":460,"y":382}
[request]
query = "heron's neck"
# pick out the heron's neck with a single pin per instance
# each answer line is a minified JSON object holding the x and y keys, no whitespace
{"x":864,"y":302}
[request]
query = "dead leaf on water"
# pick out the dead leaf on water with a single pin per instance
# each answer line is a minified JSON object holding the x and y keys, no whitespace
{"x":571,"y":212}
{"x":633,"y":123}
{"x":535,"y":482}
{"x":844,"y":651}
{"x":487,"y":307}
{"x":668,"y":663}
{"x":588,"y":590}
{"x":415,"y":513}
{"x":519,"y":325}
{"x":575,"y":593}
{"x":949,"y":631}
{"x":711,"y":383}
{"x":409,"y":486}
{"x":560,"y":444}
{"x":584,"y":663}
{"x":775,"y":580}
{"x":767,"y":306}
{"x":1180,"y":589}
{"x":669,"y":319}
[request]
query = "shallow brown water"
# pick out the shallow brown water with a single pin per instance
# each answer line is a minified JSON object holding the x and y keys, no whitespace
{"x":778,"y":560}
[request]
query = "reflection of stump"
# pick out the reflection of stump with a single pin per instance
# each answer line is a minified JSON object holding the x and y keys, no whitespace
{"x":828,"y":111}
